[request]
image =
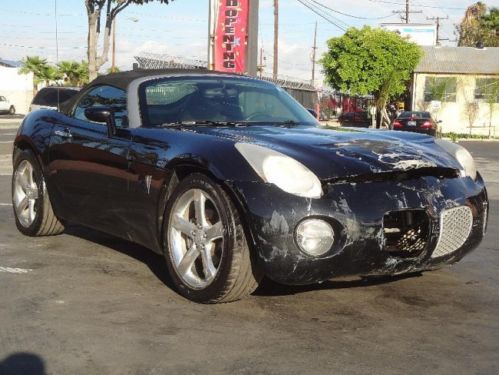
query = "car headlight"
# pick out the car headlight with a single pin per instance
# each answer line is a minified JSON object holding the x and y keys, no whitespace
{"x":285,"y":172}
{"x":462,"y":156}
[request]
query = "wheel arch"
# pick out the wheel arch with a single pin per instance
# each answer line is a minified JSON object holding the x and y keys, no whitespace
{"x":184,"y":169}
{"x":21,"y":144}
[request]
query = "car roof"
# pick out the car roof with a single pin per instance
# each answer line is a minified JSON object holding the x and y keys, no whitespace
{"x":123,"y":79}
{"x":60,"y":88}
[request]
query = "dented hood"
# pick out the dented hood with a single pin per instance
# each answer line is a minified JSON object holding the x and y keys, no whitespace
{"x":338,"y":153}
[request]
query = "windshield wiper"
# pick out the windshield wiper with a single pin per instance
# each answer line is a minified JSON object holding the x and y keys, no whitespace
{"x":178,"y":124}
{"x":284,"y":123}
{"x":201,"y":123}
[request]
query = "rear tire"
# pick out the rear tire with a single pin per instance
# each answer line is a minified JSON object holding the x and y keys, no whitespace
{"x":12,"y":110}
{"x":205,"y":244}
{"x":30,"y":199}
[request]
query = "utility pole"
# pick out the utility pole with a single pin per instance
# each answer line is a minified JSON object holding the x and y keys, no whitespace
{"x":438,"y":23}
{"x":261,"y":66}
{"x":252,"y":58}
{"x":113,"y":63}
{"x":407,"y":11}
{"x":276,"y":39}
{"x":314,"y":53}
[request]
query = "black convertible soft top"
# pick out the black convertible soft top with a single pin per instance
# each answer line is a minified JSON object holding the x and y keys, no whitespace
{"x":123,"y":79}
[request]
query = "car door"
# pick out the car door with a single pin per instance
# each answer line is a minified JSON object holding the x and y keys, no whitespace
{"x":88,"y":168}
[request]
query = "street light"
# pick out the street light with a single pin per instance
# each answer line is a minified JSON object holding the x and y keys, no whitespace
{"x":113,"y":62}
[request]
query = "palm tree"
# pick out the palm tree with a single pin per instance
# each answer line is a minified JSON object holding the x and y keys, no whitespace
{"x":36,"y":65}
{"x":73,"y":72}
{"x":51,"y":74}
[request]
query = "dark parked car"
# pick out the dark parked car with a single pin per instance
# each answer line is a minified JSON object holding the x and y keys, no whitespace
{"x":230,"y":179}
{"x":418,"y":122}
{"x":52,"y":97}
{"x":355,"y":119}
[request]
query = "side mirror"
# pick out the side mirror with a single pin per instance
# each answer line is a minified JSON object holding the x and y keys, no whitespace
{"x":312,"y":112}
{"x":102,"y":114}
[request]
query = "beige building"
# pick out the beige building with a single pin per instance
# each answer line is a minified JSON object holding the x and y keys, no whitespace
{"x":460,"y":87}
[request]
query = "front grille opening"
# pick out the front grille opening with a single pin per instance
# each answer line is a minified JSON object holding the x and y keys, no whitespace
{"x":406,"y":232}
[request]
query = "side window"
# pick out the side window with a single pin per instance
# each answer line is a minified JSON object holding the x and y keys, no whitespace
{"x":167,"y":101}
{"x":255,"y":102}
{"x":2,"y":99}
{"x":104,"y":96}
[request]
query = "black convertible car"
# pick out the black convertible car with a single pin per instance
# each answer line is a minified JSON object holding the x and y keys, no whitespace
{"x":231,"y":179}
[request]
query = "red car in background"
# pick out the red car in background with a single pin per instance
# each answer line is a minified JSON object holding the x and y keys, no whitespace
{"x":418,"y":122}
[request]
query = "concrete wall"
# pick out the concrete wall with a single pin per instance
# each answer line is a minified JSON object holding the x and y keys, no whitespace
{"x":17,"y":88}
{"x":456,"y":116}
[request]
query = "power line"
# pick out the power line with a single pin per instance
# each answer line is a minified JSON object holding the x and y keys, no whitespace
{"x":332,"y":20}
{"x":349,"y":15}
{"x":417,"y":4}
{"x":328,"y":14}
{"x":321,"y":15}
{"x":438,"y":23}
{"x":407,"y":11}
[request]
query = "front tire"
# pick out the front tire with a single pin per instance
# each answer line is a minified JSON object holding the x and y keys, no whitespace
{"x":30,"y":199}
{"x":205,"y":244}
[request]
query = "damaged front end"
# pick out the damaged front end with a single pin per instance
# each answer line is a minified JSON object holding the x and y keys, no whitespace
{"x":381,"y":224}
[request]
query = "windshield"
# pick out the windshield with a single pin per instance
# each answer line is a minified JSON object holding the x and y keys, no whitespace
{"x":218,"y":100}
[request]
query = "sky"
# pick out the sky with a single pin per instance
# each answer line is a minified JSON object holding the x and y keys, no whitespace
{"x":181,"y":28}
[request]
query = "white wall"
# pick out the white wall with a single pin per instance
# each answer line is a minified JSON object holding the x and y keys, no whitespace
{"x":17,"y":88}
{"x":454,"y":115}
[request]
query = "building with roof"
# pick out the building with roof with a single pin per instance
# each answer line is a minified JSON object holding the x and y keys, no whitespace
{"x":9,"y":63}
{"x":16,"y":87}
{"x":460,"y":87}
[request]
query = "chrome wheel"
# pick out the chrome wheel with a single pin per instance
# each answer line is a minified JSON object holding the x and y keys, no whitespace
{"x":195,"y":238}
{"x":25,"y":193}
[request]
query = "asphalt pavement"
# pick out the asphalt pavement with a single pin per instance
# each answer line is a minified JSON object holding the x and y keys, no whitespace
{"x":87,"y":303}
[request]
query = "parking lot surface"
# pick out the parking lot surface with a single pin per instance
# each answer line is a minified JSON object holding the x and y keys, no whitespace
{"x":87,"y":303}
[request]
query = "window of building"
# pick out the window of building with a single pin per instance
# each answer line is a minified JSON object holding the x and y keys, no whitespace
{"x":441,"y":89}
{"x":487,"y":89}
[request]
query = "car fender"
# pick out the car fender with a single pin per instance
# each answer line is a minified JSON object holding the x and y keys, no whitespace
{"x":34,"y":134}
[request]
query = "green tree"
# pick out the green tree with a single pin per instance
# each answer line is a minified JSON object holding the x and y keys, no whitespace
{"x":73,"y":72}
{"x":110,"y":9}
{"x":110,"y":70}
{"x":371,"y":61}
{"x":38,"y":66}
{"x":479,"y":26}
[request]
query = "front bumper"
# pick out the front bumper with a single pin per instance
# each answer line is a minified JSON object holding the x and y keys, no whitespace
{"x":358,"y":210}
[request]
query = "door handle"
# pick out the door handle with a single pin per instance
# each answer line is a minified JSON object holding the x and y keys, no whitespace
{"x":66,"y":133}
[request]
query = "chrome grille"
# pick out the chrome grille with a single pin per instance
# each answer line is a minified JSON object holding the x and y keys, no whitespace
{"x":455,"y":228}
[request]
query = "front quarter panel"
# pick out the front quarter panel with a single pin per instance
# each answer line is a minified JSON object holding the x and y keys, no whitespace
{"x":34,"y":133}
